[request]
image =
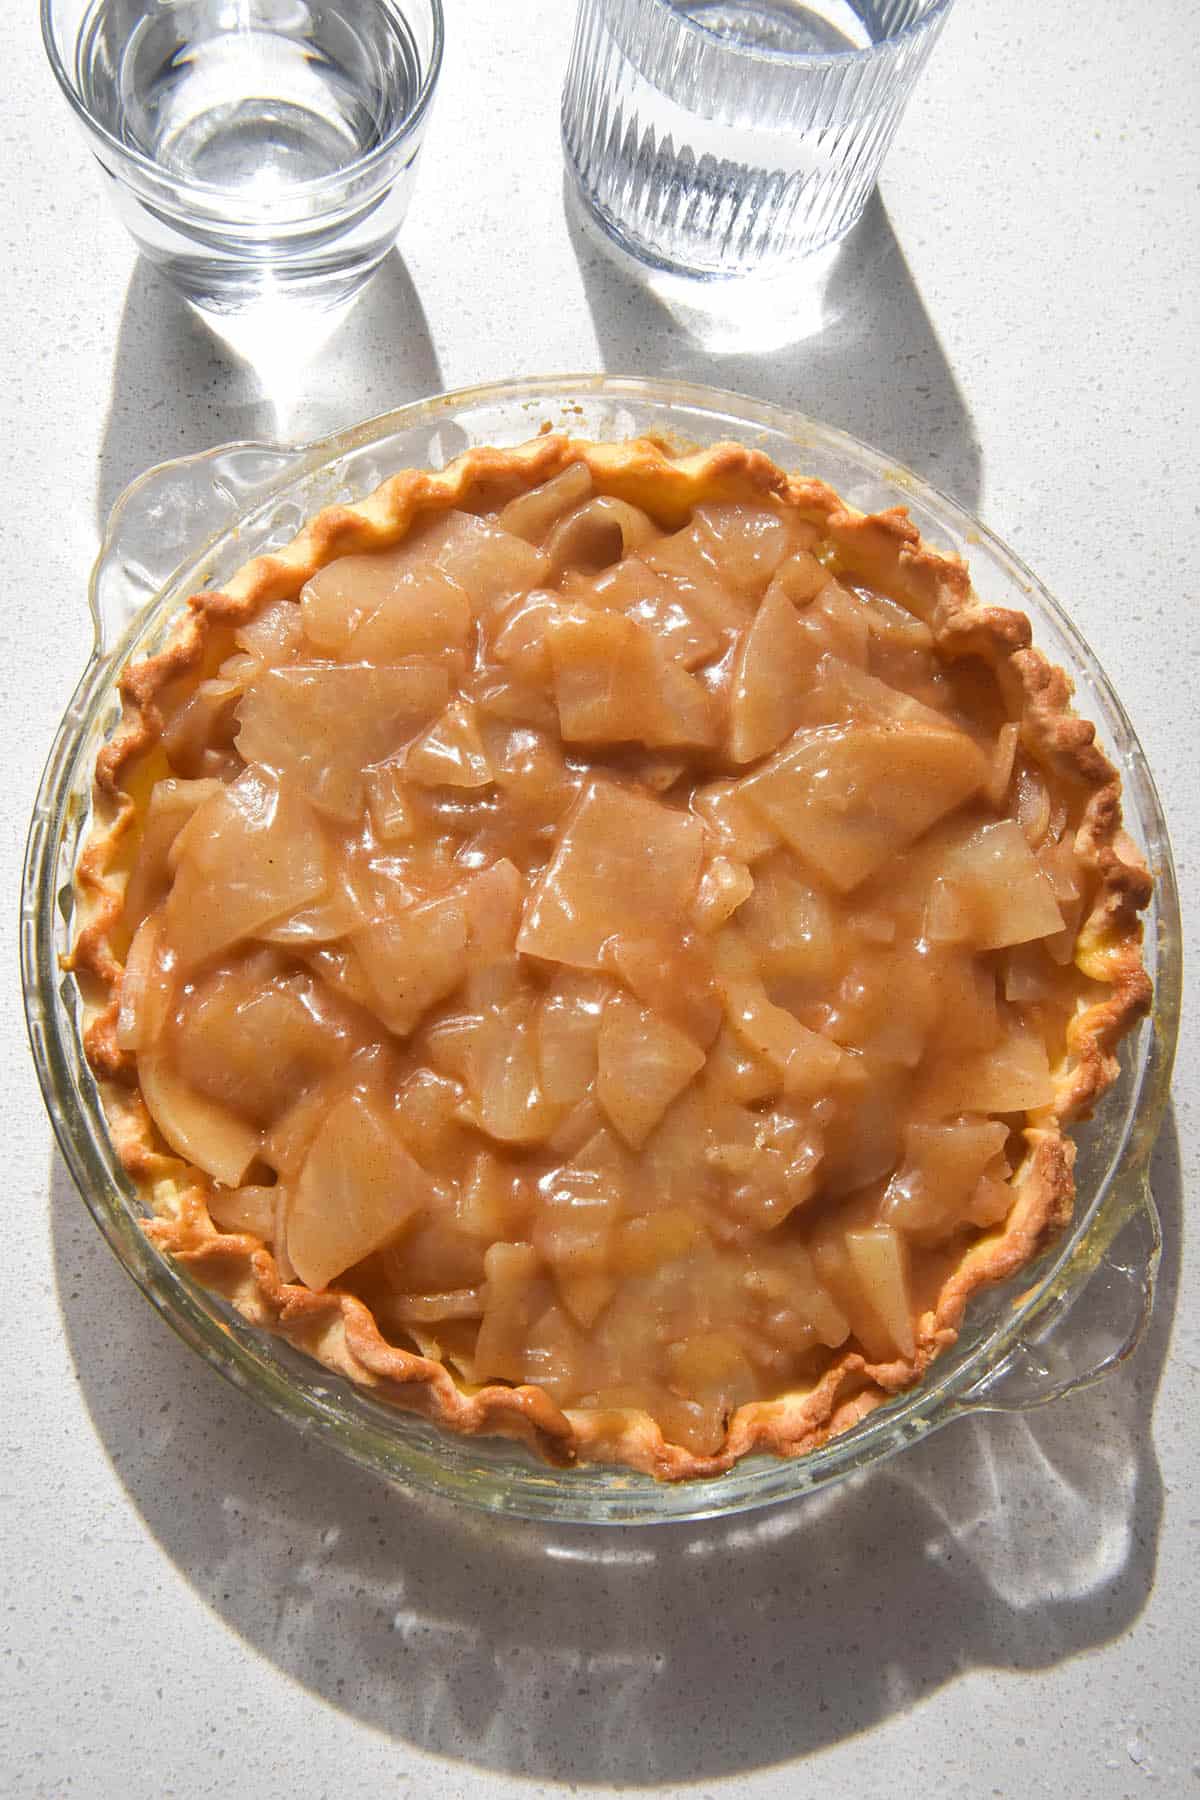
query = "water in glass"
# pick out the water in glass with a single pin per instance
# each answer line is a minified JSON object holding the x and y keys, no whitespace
{"x":721,"y":137}
{"x":293,"y":93}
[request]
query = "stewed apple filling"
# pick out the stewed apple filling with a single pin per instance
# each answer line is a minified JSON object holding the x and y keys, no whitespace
{"x":625,"y":956}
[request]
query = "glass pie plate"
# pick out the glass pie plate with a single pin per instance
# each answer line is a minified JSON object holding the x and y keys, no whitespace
{"x":191,"y":523}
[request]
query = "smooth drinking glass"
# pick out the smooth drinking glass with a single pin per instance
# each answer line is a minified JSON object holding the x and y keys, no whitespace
{"x":256,"y":149}
{"x":732,"y":137}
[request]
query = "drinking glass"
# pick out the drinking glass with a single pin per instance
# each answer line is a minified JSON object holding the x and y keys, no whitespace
{"x":256,"y":149}
{"x":730,"y":137}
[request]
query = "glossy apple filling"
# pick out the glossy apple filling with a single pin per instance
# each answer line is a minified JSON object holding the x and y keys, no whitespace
{"x":625,"y":958}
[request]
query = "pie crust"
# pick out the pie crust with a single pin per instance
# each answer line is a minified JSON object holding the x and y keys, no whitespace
{"x":884,"y":553}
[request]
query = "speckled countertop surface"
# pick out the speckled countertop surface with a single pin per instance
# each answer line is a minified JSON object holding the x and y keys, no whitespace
{"x":192,"y":1602}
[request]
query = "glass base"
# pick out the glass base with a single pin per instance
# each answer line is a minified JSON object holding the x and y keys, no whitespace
{"x":649,"y":256}
{"x":239,"y":293}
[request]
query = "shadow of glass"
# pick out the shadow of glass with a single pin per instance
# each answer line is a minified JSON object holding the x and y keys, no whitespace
{"x":848,"y":342}
{"x":645,"y":1655}
{"x":178,"y":386}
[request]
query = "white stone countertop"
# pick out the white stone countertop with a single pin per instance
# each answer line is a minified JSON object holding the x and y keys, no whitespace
{"x":194,"y":1601}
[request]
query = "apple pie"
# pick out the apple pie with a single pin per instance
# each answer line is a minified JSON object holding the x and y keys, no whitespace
{"x":603,"y":947}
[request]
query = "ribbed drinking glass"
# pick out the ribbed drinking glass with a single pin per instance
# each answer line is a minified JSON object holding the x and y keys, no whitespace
{"x":723,"y":139}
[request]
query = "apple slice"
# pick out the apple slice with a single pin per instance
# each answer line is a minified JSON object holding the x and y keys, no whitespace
{"x":390,"y":804}
{"x":425,"y":614}
{"x":575,"y":1222}
{"x":805,"y":1061}
{"x":274,"y":635}
{"x":791,"y":923}
{"x":492,"y":903}
{"x":251,"y":1038}
{"x":687,"y":559}
{"x":597,"y":534}
{"x":335,"y":600}
{"x":520,"y":641}
{"x":585,"y":1293}
{"x":507,"y":1100}
{"x":492,"y":1204}
{"x":197,"y":738}
{"x":451,"y":753}
{"x":841,"y":692}
{"x":532,"y":514}
{"x":735,"y":1072}
{"x":614,"y":685}
{"x":837,"y":622}
{"x":1013,"y":1076}
{"x":653,"y":602}
{"x":725,"y":885}
{"x":623,"y":865}
{"x":172,"y":804}
{"x":425,"y":1115}
{"x":674,"y":978}
{"x":203,"y":1133}
{"x":748,"y":543}
{"x":325,"y":723}
{"x":941,"y":1170}
{"x":878,"y":1260}
{"x":357,"y":1191}
{"x":1003,"y":896}
{"x":644,"y":1063}
{"x":334,"y":916}
{"x":515,"y":1293}
{"x":257,"y":845}
{"x":249,"y":1209}
{"x":491,"y":564}
{"x":413,"y":959}
{"x":771,"y":676}
{"x":800,"y":578}
{"x":645,"y":1243}
{"x":147,"y":988}
{"x":802,"y":1312}
{"x":1004,"y":758}
{"x":849,"y":798}
{"x":711,"y":1369}
{"x":568,"y":1027}
{"x":743,"y":833}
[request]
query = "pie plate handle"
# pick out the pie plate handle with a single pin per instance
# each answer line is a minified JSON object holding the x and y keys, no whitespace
{"x":1088,"y":1329}
{"x":165,"y":519}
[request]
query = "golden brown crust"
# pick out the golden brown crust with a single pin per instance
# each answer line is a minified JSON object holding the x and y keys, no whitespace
{"x":337,"y":1328}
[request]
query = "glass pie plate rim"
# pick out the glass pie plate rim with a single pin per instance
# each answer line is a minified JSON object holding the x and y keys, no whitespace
{"x":193,"y":520}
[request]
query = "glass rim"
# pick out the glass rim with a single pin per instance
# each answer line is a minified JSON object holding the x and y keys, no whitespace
{"x":933,"y":11}
{"x":312,"y":188}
